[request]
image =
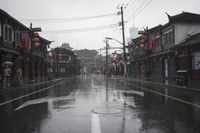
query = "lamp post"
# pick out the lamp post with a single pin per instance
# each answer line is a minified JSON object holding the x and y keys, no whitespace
{"x":124,"y":52}
{"x":107,"y":56}
{"x":32,"y":30}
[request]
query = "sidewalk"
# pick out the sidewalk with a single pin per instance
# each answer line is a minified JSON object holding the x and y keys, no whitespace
{"x":28,"y":91}
{"x":29,"y":85}
{"x":195,"y":87}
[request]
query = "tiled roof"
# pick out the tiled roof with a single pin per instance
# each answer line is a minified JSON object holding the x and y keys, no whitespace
{"x":2,"y":12}
{"x":191,"y":41}
{"x":185,"y":17}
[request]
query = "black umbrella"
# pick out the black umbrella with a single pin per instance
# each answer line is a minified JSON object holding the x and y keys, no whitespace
{"x":9,"y":63}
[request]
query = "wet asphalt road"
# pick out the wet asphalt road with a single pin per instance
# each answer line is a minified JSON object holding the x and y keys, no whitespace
{"x":92,"y":104}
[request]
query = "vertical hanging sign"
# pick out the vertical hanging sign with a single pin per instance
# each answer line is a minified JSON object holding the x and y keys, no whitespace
{"x":24,"y":39}
{"x":152,"y":40}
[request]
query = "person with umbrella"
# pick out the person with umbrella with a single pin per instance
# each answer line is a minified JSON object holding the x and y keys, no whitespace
{"x":7,"y":73}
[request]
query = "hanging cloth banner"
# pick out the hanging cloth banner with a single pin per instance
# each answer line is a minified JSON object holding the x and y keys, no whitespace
{"x":152,"y":40}
{"x":24,"y":39}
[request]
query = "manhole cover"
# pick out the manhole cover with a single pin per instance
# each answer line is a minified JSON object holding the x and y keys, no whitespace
{"x":106,"y":110}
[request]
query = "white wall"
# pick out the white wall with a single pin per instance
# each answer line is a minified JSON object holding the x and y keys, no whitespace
{"x":183,"y":29}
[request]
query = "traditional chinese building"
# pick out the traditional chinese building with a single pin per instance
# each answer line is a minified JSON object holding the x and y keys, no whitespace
{"x":65,"y":62}
{"x":14,"y":38}
{"x":167,"y":53}
{"x":17,"y":46}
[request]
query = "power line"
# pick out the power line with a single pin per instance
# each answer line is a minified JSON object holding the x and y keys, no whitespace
{"x":120,"y":3}
{"x":143,"y":7}
{"x":80,"y":29}
{"x":115,"y":18}
{"x":56,"y":20}
{"x":131,"y":6}
{"x":140,"y":8}
{"x":135,"y":7}
{"x":126,"y":3}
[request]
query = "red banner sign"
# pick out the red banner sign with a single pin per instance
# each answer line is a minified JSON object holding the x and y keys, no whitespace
{"x":24,"y":39}
{"x":152,"y":40}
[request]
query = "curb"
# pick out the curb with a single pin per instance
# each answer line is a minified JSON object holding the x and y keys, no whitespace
{"x":32,"y":84}
{"x":161,"y":84}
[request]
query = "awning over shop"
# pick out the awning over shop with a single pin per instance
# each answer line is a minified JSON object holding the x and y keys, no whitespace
{"x":161,"y":53}
{"x":10,"y":51}
{"x":192,"y":41}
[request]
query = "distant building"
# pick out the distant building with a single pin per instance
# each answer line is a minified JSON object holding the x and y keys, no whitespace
{"x":87,"y":60}
{"x":133,"y":32}
{"x":66,"y":46}
{"x":65,"y":62}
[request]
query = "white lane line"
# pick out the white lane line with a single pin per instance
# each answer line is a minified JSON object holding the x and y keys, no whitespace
{"x":95,"y":123}
{"x":44,"y":100}
{"x":29,"y":94}
{"x":72,"y":96}
{"x":132,"y":92}
{"x":15,"y":99}
{"x":32,"y":102}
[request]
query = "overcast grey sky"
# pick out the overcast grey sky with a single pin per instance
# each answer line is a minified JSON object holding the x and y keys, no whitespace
{"x":150,"y":16}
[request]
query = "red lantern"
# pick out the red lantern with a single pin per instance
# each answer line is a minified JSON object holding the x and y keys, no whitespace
{"x":143,"y":39}
{"x":141,"y":45}
{"x":37,"y":44}
{"x":36,"y":40}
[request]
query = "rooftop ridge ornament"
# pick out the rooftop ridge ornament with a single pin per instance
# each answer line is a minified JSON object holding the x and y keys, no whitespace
{"x":169,"y":17}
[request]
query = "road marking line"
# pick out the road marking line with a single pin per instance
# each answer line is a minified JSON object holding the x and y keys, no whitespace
{"x":170,"y":97}
{"x":45,"y":100}
{"x":95,"y":123}
{"x":32,"y":102}
{"x":132,"y":92}
{"x":29,"y":94}
{"x":71,"y":96}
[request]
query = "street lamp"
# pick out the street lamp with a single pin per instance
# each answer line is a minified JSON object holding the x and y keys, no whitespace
{"x":109,"y":38}
{"x":32,"y":30}
{"x":124,"y":51}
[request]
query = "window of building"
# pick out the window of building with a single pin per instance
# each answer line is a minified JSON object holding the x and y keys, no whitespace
{"x":66,"y":58}
{"x":62,"y":70}
{"x":17,"y":38}
{"x":5,"y":32}
{"x":168,"y":37}
{"x":8,"y":33}
{"x":158,"y":41}
{"x":196,"y":60}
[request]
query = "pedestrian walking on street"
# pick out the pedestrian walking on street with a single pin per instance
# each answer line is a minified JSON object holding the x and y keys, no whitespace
{"x":19,"y":77}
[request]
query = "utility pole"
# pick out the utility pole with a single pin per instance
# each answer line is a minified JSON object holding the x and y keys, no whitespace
{"x":123,"y":43}
{"x":31,"y":52}
{"x":106,"y":56}
{"x":100,"y":55}
{"x":106,"y":69}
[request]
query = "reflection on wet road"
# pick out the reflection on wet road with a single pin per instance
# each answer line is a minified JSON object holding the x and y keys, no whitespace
{"x":92,"y":104}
